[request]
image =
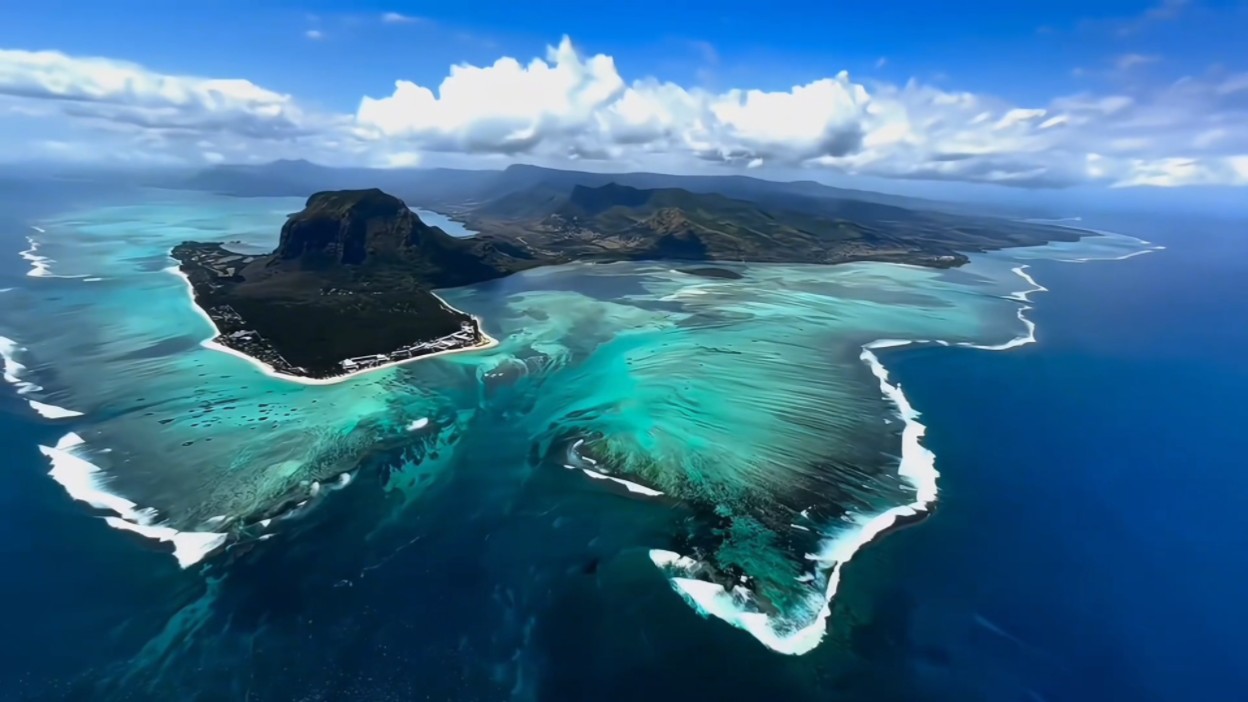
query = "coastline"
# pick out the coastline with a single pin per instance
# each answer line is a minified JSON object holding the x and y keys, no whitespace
{"x":917,"y":466}
{"x":211,"y":343}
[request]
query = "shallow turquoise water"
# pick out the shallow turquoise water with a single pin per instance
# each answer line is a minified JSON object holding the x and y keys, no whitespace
{"x":746,"y":403}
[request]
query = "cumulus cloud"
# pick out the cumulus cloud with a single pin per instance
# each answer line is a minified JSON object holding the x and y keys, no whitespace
{"x":570,"y":105}
{"x":577,"y":106}
{"x":120,"y":92}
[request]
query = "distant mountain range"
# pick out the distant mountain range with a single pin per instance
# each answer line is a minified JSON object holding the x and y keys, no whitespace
{"x":439,"y":188}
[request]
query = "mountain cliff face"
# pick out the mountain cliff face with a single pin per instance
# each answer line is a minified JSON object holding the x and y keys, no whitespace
{"x":373,"y":229}
{"x":351,"y":227}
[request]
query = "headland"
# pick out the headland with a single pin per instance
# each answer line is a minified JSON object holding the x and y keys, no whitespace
{"x":349,"y":287}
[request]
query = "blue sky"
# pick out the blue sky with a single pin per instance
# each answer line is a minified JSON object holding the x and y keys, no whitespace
{"x":1022,"y":51}
{"x":1068,"y":67}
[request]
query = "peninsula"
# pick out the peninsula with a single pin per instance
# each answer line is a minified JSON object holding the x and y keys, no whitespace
{"x":350,"y":284}
{"x":349,"y":287}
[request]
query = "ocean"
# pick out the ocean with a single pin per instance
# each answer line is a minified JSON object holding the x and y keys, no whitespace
{"x":432,"y":532}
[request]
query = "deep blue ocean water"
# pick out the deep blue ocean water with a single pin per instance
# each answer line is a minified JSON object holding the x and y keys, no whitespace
{"x":1087,"y":546}
{"x":1090,"y":540}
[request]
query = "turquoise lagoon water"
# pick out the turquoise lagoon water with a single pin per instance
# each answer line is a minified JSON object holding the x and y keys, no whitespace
{"x":750,"y":439}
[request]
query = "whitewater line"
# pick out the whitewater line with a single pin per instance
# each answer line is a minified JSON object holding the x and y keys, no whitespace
{"x":1023,"y":296}
{"x":40,"y":266}
{"x":1151,"y":247}
{"x":917,"y":466}
{"x":13,"y":370}
{"x":86,"y":482}
{"x":211,"y":343}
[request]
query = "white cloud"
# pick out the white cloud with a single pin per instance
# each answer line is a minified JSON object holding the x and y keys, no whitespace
{"x":1126,"y":62}
{"x":121,"y":93}
{"x":1176,"y":172}
{"x":314,"y":34}
{"x":505,"y":107}
{"x":568,"y":105}
{"x":398,"y":18}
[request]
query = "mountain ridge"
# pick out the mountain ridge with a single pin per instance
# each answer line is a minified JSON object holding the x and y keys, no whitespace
{"x":352,"y":274}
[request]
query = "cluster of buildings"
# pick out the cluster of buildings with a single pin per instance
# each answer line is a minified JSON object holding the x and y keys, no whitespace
{"x":225,"y":317}
{"x":221,"y":263}
{"x":249,"y":341}
{"x":466,"y":336}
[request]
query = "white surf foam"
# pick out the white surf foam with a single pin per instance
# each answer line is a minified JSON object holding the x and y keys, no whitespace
{"x":418,"y":424}
{"x":40,"y":265}
{"x":632,"y":487}
{"x":917,"y":467}
{"x":52,"y":411}
{"x":189,"y":547}
{"x":1022,"y":296}
{"x":1151,"y":247}
{"x":85,"y":482}
{"x":13,"y":369}
{"x":1114,"y":258}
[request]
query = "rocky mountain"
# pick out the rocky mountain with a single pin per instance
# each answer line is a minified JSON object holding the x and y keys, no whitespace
{"x":375,"y":230}
{"x":352,"y":275}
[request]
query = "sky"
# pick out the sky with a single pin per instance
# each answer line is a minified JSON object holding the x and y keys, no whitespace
{"x":1026,"y":95}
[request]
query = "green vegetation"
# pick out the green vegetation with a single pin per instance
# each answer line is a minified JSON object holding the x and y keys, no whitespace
{"x":353,"y":272}
{"x":612,"y":222}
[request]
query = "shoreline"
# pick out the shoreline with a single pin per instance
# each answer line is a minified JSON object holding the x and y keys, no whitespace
{"x":917,"y":467}
{"x":212,"y":344}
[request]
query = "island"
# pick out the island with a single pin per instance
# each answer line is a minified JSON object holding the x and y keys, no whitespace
{"x":351,"y":283}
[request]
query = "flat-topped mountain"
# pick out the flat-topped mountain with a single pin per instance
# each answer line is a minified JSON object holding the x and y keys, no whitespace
{"x":352,"y":276}
{"x":349,"y":229}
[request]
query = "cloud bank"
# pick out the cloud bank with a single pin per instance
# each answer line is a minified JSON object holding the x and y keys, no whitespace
{"x":569,"y":105}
